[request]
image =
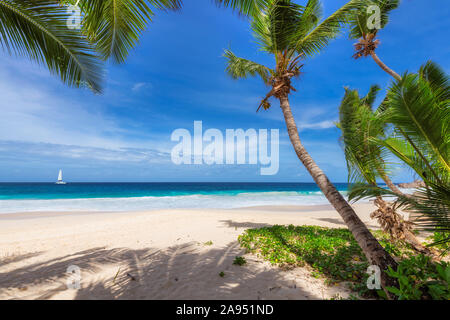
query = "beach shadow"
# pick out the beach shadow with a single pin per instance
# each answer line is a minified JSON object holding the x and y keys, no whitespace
{"x":55,"y":270}
{"x":333,"y":221}
{"x":17,"y":257}
{"x":246,"y":225}
{"x":186,"y":271}
{"x":370,"y":224}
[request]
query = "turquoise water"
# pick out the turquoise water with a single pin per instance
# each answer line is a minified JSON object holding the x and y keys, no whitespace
{"x":22,"y":197}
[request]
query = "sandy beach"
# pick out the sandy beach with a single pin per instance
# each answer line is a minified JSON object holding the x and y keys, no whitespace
{"x":164,"y":254}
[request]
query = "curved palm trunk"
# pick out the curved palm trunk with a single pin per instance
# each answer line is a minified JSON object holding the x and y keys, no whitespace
{"x":385,"y":67}
{"x":372,"y":249}
{"x":391,"y":185}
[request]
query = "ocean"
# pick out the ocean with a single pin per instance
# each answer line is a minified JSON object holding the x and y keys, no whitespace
{"x":29,"y":197}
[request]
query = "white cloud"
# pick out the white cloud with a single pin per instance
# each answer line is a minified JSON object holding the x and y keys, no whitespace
{"x":32,"y":110}
{"x":24,"y":150}
{"x":326,"y":124}
{"x":141,"y":85}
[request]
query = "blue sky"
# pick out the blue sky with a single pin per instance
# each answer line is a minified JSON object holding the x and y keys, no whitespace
{"x":176,"y":76}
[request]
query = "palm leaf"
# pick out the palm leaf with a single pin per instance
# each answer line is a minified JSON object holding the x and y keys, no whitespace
{"x":244,"y":7}
{"x":319,"y":37}
{"x":369,"y":99}
{"x":423,"y":118}
{"x":360,"y":126}
{"x":116,"y":25}
{"x":274,"y":25}
{"x":358,"y":21}
{"x":437,"y":79}
{"x":239,"y":68}
{"x":37,"y":29}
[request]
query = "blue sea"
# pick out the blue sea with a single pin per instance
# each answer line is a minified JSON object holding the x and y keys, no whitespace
{"x":29,"y":197}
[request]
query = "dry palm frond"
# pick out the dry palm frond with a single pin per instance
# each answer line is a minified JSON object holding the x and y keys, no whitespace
{"x":389,"y":220}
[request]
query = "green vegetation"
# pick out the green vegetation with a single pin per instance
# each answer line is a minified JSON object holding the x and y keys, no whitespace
{"x":420,"y":278}
{"x":335,"y":255}
{"x":208,"y":243}
{"x":240,"y":261}
{"x":439,"y":241}
{"x":222,"y":274}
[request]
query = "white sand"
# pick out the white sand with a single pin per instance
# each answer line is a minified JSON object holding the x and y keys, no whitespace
{"x":164,"y":251}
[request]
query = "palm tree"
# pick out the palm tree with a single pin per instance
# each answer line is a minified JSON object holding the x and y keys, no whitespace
{"x":38,"y":30}
{"x":360,"y":29}
{"x":418,"y":108}
{"x":290,"y":32}
{"x":360,"y":126}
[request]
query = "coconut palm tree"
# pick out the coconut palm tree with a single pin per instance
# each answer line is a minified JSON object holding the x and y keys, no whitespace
{"x":289,"y":33}
{"x":360,"y":126}
{"x":365,"y":30}
{"x":38,"y":30}
{"x":418,"y":106}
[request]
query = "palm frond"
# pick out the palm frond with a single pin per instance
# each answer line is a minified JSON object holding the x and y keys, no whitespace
{"x":244,"y":7}
{"x":369,"y":99}
{"x":437,"y":79}
{"x":239,"y":68}
{"x":319,"y":37}
{"x":116,"y":25}
{"x":274,"y":25}
{"x":423,"y":118}
{"x":359,"y":126}
{"x":358,"y":21}
{"x":38,"y":30}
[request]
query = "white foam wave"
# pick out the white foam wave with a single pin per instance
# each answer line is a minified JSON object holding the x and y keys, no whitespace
{"x":222,"y":201}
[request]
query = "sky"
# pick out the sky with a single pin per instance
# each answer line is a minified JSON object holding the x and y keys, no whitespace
{"x":176,"y":76}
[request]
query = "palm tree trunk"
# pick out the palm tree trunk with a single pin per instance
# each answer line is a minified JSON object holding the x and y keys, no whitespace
{"x":391,"y":185}
{"x":372,"y":249}
{"x":385,"y":67}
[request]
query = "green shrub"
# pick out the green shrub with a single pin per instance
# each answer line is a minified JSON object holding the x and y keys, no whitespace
{"x":420,"y":278}
{"x":440,"y":241}
{"x":331,"y":252}
{"x":240,"y":261}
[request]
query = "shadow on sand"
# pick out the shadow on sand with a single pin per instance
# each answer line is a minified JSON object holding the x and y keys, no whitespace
{"x":187,"y":271}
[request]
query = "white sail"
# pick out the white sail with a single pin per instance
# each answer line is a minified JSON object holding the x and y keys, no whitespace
{"x":60,"y":180}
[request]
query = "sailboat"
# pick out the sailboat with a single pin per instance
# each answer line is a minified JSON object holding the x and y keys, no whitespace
{"x":60,"y":180}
